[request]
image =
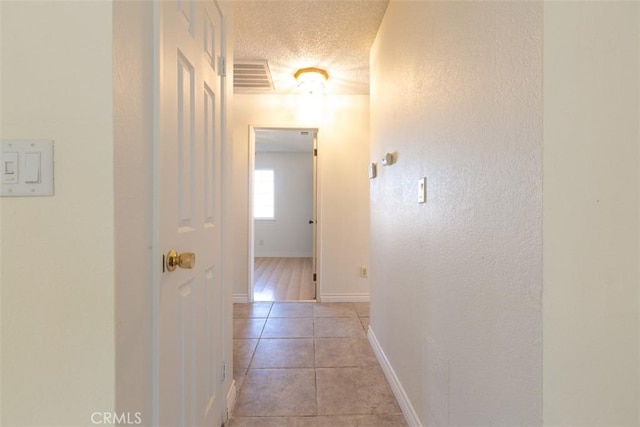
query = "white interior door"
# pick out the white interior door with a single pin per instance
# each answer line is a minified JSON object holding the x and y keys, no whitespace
{"x":190,"y":388}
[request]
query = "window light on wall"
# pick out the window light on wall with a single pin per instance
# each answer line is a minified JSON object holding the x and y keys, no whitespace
{"x":263,"y":194}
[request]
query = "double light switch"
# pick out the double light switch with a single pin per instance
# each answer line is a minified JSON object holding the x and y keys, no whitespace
{"x":26,"y":167}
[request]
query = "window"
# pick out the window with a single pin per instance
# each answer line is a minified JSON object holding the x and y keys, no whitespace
{"x":263,"y":194}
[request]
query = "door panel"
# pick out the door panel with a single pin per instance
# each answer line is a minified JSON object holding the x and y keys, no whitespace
{"x":186,"y":144}
{"x":190,"y":388}
{"x":212,"y":155}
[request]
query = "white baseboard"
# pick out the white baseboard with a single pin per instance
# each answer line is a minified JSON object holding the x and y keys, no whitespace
{"x":232,"y":396}
{"x":240,"y":299}
{"x":408,"y":411}
{"x":344,"y":298}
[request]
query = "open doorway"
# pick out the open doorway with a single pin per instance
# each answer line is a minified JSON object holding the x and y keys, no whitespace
{"x":283,"y":221}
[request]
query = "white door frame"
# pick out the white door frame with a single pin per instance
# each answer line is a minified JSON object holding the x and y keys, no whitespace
{"x":317,"y":210}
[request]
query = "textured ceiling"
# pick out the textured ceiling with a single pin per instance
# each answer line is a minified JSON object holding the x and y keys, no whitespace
{"x":335,"y":35}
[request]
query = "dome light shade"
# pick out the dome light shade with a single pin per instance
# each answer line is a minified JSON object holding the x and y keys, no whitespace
{"x":311,"y":80}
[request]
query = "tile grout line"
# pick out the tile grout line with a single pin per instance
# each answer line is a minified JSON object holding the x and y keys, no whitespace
{"x":255,"y":350}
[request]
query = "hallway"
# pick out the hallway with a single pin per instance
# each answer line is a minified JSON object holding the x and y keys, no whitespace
{"x":308,"y":365}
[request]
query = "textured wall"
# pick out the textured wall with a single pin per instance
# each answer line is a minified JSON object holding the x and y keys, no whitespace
{"x":57,"y":262}
{"x":290,"y":234}
{"x":456,"y":283}
{"x":591,"y":213}
{"x":343,"y":141}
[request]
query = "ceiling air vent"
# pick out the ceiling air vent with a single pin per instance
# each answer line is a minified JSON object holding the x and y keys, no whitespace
{"x":252,"y":75}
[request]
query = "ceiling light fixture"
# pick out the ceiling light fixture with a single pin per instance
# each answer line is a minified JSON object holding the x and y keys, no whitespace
{"x":311,"y":80}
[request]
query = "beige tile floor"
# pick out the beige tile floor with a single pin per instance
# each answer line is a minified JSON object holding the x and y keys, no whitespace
{"x":305,"y":364}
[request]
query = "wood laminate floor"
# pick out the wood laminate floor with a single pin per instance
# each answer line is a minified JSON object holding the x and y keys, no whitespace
{"x":283,"y":279}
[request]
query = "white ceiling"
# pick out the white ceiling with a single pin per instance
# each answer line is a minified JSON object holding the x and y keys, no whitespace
{"x":335,"y":35}
{"x":284,"y":140}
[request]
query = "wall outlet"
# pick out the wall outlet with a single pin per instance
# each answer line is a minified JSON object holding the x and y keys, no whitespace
{"x":364,"y":272}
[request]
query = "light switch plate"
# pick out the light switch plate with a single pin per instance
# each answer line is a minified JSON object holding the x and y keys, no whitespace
{"x":422,"y":190}
{"x":26,"y":168}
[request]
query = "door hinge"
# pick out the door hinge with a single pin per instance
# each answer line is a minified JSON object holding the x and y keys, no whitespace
{"x":315,"y":151}
{"x":315,"y":277}
{"x":222,"y":66}
{"x":224,"y":371}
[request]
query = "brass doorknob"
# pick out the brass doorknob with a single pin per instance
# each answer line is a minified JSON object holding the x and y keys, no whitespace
{"x":183,"y":260}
